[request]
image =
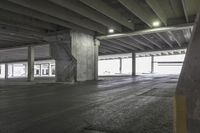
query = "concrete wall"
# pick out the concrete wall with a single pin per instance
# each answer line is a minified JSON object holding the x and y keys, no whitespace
{"x":83,"y":50}
{"x":189,"y":84}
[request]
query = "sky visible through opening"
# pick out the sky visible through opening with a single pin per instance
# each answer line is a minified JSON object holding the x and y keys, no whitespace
{"x":170,"y":64}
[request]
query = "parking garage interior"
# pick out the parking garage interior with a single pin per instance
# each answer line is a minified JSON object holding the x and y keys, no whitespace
{"x":99,"y":66}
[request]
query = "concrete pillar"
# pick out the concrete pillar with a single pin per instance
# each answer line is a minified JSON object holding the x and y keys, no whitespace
{"x":133,"y":64}
{"x":96,"y":59}
{"x":31,"y":57}
{"x":120,"y":65}
{"x":6,"y":71}
{"x":187,"y":100}
{"x":65,"y":63}
{"x":152,"y":64}
{"x":83,"y":50}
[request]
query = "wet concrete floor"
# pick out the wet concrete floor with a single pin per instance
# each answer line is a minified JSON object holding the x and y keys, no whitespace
{"x":143,"y":104}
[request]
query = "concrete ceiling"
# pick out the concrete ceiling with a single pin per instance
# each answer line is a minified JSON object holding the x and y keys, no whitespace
{"x":25,"y":22}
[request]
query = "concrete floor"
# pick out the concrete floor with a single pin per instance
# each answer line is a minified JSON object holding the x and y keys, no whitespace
{"x":112,"y":105}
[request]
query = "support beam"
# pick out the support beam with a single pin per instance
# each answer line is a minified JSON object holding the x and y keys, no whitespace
{"x":154,"y":43}
{"x":31,"y":57}
{"x":137,"y":8}
{"x":51,"y":9}
{"x":157,"y":8}
{"x":6,"y":71}
{"x":88,"y":12}
{"x":16,"y":18}
{"x":131,"y":43}
{"x":102,"y":7}
{"x":120,"y":65}
{"x":185,"y":10}
{"x":171,"y":33}
{"x":113,"y":47}
{"x":6,"y":5}
{"x":133,"y":64}
{"x":122,"y":44}
{"x":148,"y":31}
{"x":142,"y":43}
{"x":96,"y":58}
{"x":152,"y":63}
{"x":165,"y":40}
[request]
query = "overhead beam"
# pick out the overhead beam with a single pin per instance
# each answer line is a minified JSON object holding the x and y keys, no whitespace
{"x":144,"y":13}
{"x":6,"y":5}
{"x":103,"y":8}
{"x":106,"y":50}
{"x":174,"y":37}
{"x":12,"y":30}
{"x":165,"y":40}
{"x":148,"y":31}
{"x":185,"y":10}
{"x":112,"y":49}
{"x":122,"y":44}
{"x":88,"y":12}
{"x":154,"y":4}
{"x":154,"y":43}
{"x":25,"y":20}
{"x":132,"y":44}
{"x":142,"y":43}
{"x":51,"y":9}
{"x":113,"y":46}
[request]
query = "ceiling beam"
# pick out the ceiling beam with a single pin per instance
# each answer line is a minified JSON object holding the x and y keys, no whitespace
{"x":51,"y":9}
{"x":106,"y":50}
{"x":103,"y":8}
{"x":154,"y":43}
{"x":174,"y":37}
{"x":131,"y":43}
{"x":109,"y":44}
{"x":6,"y":5}
{"x":148,"y":31}
{"x":88,"y":12}
{"x":142,"y":43}
{"x":122,"y":44}
{"x":144,"y":13}
{"x":165,"y":40}
{"x":154,"y":4}
{"x":18,"y":31}
{"x":185,"y":10}
{"x":25,"y":20}
{"x":112,"y":49}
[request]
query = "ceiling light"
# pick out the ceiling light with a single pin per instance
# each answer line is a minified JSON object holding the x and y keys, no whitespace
{"x":156,"y":23}
{"x":111,"y":30}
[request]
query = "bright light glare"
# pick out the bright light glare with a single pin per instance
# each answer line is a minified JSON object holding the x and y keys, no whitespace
{"x":111,"y":30}
{"x":156,"y":23}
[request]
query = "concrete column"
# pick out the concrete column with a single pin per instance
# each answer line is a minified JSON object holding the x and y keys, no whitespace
{"x":120,"y":65}
{"x":6,"y":71}
{"x":83,"y":47}
{"x":152,"y":64}
{"x":31,"y":57}
{"x":96,"y":59}
{"x":187,"y":100}
{"x":133,"y":64}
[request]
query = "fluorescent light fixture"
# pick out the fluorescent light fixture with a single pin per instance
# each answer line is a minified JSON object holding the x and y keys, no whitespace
{"x":156,"y":23}
{"x":111,"y":30}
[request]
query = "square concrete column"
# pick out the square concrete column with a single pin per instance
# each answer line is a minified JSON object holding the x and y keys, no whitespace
{"x":96,"y":59}
{"x":133,"y":64}
{"x":31,"y":57}
{"x":6,"y":71}
{"x":187,"y":100}
{"x":152,"y":64}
